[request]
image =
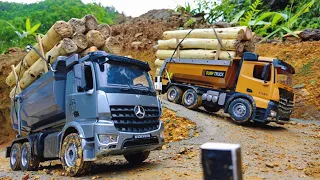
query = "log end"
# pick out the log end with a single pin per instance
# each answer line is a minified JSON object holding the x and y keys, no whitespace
{"x":80,"y":40}
{"x":91,"y":22}
{"x":69,"y":46}
{"x":105,"y":30}
{"x":95,"y":38}
{"x":63,"y":28}
{"x":78,"y":25}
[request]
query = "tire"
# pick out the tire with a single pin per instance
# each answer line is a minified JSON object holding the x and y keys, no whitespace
{"x":240,"y":111}
{"x":137,"y":158}
{"x":211,"y":108}
{"x":29,"y":162}
{"x":174,"y":94}
{"x":72,"y":157}
{"x":15,"y":157}
{"x":191,"y":99}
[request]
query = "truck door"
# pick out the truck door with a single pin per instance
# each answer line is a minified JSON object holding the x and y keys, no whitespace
{"x":251,"y":82}
{"x":82,"y":103}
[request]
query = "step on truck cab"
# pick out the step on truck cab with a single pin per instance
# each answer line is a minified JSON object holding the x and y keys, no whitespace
{"x":248,"y":88}
{"x":87,"y":108}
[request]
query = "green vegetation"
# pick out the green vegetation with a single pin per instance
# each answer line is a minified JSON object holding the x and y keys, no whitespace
{"x":266,"y":18}
{"x":14,"y":18}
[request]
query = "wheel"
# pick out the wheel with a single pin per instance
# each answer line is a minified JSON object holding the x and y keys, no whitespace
{"x":15,"y":154}
{"x":174,"y":94}
{"x":29,"y":162}
{"x":191,"y":99}
{"x":240,"y":110}
{"x":137,"y":158}
{"x":211,"y":108}
{"x":71,"y":156}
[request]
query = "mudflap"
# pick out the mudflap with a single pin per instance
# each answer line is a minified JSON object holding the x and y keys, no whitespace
{"x":8,"y":151}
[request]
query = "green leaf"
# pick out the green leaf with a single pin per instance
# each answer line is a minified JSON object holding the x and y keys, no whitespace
{"x":237,"y":17}
{"x":289,"y":31}
{"x":12,"y":26}
{"x":34,"y":28}
{"x":270,"y":35}
{"x":301,"y":11}
{"x":28,"y":25}
{"x":263,"y":16}
{"x":276,"y":18}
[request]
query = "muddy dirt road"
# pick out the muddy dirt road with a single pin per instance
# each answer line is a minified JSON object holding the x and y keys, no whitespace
{"x":291,"y":151}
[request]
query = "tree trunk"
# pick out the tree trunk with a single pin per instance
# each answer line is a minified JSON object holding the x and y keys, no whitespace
{"x":193,"y":43}
{"x":91,"y":22}
{"x":65,"y":47}
{"x":95,"y":38}
{"x":105,"y":30}
{"x":10,"y":80}
{"x":80,"y":41}
{"x":195,"y":54}
{"x":88,"y":50}
{"x":238,"y":33}
{"x":78,"y":25}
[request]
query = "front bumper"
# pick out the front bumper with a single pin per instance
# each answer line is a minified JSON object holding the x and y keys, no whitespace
{"x":126,"y":142}
{"x":263,"y":115}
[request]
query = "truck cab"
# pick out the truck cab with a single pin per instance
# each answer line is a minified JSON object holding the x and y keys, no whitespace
{"x":85,"y":109}
{"x":248,"y":88}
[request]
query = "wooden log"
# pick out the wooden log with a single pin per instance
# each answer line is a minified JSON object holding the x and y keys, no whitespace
{"x":56,"y":33}
{"x":10,"y":80}
{"x":16,"y":78}
{"x":90,"y":22}
{"x":88,"y":50}
{"x":78,"y":25}
{"x":14,"y":92}
{"x":80,"y":40}
{"x":95,"y":38}
{"x":196,"y":54}
{"x":158,"y":62}
{"x":65,"y":47}
{"x":194,"y":43}
{"x":112,"y":45}
{"x":45,"y":67}
{"x":105,"y":30}
{"x":157,"y":72}
{"x":310,"y":35}
{"x":238,"y":33}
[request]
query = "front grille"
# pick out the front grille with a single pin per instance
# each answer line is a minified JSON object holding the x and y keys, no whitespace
{"x":129,"y":143}
{"x":286,"y":103}
{"x":125,"y":119}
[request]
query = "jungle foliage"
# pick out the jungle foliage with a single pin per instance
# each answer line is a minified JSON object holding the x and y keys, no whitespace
{"x":16,"y":18}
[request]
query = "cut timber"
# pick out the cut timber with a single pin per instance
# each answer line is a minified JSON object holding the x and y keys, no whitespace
{"x":87,"y":51}
{"x":55,"y":34}
{"x":65,"y":47}
{"x":112,"y":45}
{"x":195,"y":54}
{"x":14,"y":92}
{"x":78,"y":25}
{"x":158,"y":62}
{"x":238,"y":33}
{"x":194,"y":43}
{"x":310,"y":35}
{"x":105,"y":30}
{"x":157,"y":71}
{"x":80,"y":41}
{"x":91,"y":22}
{"x":95,"y":38}
{"x":10,"y":80}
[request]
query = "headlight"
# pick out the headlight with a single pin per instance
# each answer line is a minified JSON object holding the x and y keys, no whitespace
{"x":273,"y":113}
{"x":107,"y":138}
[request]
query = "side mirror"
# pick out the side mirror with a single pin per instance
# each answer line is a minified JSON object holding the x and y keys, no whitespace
{"x":265,"y":73}
{"x":79,"y":76}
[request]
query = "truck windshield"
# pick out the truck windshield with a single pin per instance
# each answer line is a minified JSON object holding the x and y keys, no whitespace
{"x":284,"y":77}
{"x":124,"y":75}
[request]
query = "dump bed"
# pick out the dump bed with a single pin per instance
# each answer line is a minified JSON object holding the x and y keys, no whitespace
{"x":219,"y":74}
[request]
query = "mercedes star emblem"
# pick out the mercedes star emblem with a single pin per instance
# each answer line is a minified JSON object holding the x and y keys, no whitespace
{"x":139,"y":111}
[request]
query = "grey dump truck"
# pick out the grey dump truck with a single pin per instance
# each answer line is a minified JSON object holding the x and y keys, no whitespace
{"x":86,"y":108}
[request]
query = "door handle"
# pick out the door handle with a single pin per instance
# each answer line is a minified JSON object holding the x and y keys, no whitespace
{"x":249,"y":90}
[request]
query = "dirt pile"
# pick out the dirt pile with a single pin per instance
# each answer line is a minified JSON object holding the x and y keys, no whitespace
{"x":13,"y":56}
{"x":305,"y":58}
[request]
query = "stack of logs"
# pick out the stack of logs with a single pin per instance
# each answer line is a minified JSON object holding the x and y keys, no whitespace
{"x":63,"y":38}
{"x":204,"y":44}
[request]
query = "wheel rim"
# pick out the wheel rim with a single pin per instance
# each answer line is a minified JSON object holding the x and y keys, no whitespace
{"x":24,"y":157}
{"x":190,"y":98}
{"x":173,"y":94}
{"x":70,"y":155}
{"x":13,"y":158}
{"x":239,"y":110}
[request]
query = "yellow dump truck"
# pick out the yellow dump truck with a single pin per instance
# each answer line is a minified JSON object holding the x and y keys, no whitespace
{"x":248,"y":88}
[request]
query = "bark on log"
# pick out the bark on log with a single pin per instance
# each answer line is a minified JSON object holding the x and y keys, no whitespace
{"x":310,"y":35}
{"x":80,"y":40}
{"x":91,"y":22}
{"x":105,"y":30}
{"x":78,"y":25}
{"x":239,"y":33}
{"x":95,"y":38}
{"x":195,"y":54}
{"x":112,"y":45}
{"x":88,"y":50}
{"x":10,"y":80}
{"x":193,"y":43}
{"x":55,"y":34}
{"x":65,"y":47}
